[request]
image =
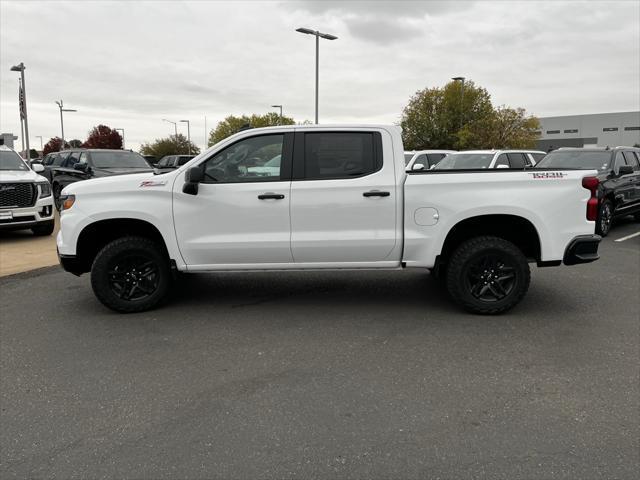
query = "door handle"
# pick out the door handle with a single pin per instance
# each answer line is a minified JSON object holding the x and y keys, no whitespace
{"x":271,"y":196}
{"x":376,"y":193}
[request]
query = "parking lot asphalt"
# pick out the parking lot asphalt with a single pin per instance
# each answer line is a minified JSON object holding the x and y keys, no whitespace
{"x":316,"y":375}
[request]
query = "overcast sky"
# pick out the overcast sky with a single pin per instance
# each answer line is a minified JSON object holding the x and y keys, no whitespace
{"x":130,"y":64}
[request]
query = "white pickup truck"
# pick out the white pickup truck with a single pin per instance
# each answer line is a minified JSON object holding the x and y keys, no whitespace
{"x":339,"y":198}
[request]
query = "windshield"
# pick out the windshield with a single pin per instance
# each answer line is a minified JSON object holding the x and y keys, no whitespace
{"x":12,"y":161}
{"x":407,"y":158}
{"x":118,"y":160}
{"x":459,"y":161}
{"x":575,"y":159}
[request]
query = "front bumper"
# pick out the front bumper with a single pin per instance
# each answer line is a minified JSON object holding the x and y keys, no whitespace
{"x":582,"y":249}
{"x":70,"y":263}
{"x":27,"y":217}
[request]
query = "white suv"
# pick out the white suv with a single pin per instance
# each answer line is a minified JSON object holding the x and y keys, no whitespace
{"x":25,"y":196}
{"x":481,"y":159}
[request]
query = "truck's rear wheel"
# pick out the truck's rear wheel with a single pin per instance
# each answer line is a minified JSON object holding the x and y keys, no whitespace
{"x":131,"y":274}
{"x":488,"y":275}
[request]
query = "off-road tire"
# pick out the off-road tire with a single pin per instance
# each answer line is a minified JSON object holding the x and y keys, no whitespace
{"x":465,"y":261}
{"x":105,"y":276}
{"x":44,"y":229}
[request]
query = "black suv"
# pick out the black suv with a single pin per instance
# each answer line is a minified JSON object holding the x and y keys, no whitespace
{"x":68,"y":166}
{"x":618,"y":173}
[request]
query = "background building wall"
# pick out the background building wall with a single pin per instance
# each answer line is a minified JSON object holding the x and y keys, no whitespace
{"x":599,"y":129}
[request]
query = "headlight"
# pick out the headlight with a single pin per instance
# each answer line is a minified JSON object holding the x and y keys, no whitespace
{"x":67,"y":201}
{"x":45,"y":189}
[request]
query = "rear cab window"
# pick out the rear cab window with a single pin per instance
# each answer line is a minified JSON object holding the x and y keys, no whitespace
{"x":337,"y":155}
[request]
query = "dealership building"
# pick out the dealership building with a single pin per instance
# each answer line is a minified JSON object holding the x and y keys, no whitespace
{"x":593,"y":130}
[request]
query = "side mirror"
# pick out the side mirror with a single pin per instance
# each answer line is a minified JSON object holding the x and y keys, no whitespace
{"x":502,"y":166}
{"x":82,"y":167}
{"x":417,"y":167}
{"x":192,"y":178}
{"x":625,"y":170}
{"x":37,"y":167}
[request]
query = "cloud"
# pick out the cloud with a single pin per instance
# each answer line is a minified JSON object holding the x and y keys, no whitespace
{"x":130,"y":64}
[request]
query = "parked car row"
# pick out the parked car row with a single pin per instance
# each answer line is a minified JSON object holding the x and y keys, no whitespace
{"x":471,"y":159}
{"x":69,"y":166}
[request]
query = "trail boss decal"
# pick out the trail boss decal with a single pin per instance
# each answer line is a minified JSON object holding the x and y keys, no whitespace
{"x":537,"y":175}
{"x":153,"y":183}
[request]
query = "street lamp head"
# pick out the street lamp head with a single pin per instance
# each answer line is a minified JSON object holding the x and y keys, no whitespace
{"x":185,"y":121}
{"x":328,"y":36}
{"x":18,"y":68}
{"x":308,"y":31}
{"x":276,"y":106}
{"x":69,"y":110}
{"x":457,"y":78}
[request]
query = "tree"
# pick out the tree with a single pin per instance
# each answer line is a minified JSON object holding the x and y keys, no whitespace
{"x":233,"y":124}
{"x":450,"y":118}
{"x":103,"y":137}
{"x":504,"y":128}
{"x":435,"y":115}
{"x":75,"y":143}
{"x":173,"y":145}
{"x":53,"y":145}
{"x":33,"y":153}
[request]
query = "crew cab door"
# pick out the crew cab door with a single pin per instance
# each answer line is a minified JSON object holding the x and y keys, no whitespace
{"x":343,"y":198}
{"x":240,"y":214}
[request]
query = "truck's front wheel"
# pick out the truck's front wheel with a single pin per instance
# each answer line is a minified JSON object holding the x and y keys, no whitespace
{"x":488,"y":275}
{"x":130,"y":274}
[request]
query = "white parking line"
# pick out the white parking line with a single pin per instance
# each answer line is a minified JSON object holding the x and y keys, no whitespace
{"x":627,"y":237}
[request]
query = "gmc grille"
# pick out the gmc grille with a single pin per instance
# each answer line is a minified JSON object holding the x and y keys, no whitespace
{"x":17,"y":195}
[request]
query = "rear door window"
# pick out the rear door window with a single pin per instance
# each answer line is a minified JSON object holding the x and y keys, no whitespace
{"x":619,"y":161}
{"x":59,"y":159}
{"x":517,"y":160}
{"x":631,"y":159}
{"x":502,"y":160}
{"x":340,"y":155}
{"x":73,"y":158}
{"x":435,"y":158}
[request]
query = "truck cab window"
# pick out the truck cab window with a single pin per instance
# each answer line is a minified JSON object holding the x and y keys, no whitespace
{"x":330,"y":155}
{"x":255,"y":159}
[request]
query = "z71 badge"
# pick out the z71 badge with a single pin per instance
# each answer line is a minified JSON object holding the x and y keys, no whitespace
{"x":548,"y":174}
{"x":153,"y":183}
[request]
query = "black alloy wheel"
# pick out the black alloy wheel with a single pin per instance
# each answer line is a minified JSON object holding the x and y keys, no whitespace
{"x":605,"y":218}
{"x":490,"y":277}
{"x":133,"y":277}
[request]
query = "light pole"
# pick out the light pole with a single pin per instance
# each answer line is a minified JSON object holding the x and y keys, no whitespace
{"x":121,"y":130}
{"x":318,"y":34}
{"x":60,"y":106}
{"x":175,"y":126}
{"x":280,"y":107}
{"x":461,"y":80}
{"x":22,"y":103}
{"x":40,"y":137}
{"x":188,"y":134}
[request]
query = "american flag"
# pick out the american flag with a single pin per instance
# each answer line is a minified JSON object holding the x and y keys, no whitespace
{"x":21,"y":101}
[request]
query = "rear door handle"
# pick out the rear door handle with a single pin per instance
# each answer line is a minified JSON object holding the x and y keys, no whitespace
{"x":271,"y":196}
{"x":376,"y":193}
